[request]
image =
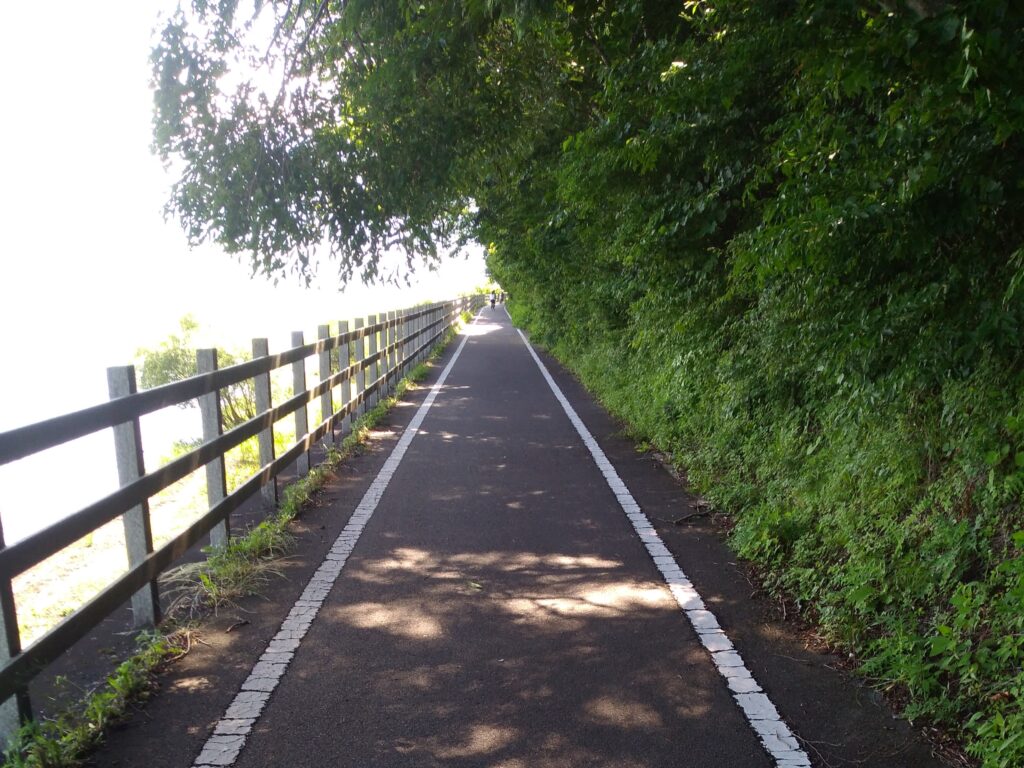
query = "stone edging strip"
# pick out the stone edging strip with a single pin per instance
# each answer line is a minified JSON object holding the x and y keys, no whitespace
{"x":225,"y":744}
{"x":775,"y":735}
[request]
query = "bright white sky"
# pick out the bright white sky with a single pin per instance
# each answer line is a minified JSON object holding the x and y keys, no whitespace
{"x":89,"y":270}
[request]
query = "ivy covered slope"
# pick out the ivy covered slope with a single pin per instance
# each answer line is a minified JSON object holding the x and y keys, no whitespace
{"x":782,"y":239}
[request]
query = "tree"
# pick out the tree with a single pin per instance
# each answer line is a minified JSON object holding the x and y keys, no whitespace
{"x":174,"y":359}
{"x":386,"y":126}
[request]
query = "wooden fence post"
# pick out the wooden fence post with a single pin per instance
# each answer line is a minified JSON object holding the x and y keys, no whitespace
{"x":431,"y":314}
{"x":326,"y":399}
{"x":424,"y":331}
{"x":301,"y":415}
{"x":410,"y":344}
{"x":403,"y":329}
{"x":417,"y":324}
{"x":138,"y":531}
{"x":382,"y":361}
{"x":418,"y":357}
{"x":432,"y":332}
{"x":374,"y":367}
{"x":392,"y":358}
{"x":344,"y":361}
{"x":261,"y":386}
{"x":383,"y":370}
{"x":17,"y":709}
{"x":360,"y":355}
{"x":213,"y":425}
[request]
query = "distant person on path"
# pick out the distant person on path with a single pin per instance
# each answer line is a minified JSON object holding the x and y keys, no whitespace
{"x":494,"y":298}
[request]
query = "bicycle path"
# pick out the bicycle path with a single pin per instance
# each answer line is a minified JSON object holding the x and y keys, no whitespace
{"x":500,"y":597}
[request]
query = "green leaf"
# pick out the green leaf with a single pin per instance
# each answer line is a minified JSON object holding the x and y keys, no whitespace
{"x":949,"y":27}
{"x":860,"y":595}
{"x":939,"y":645}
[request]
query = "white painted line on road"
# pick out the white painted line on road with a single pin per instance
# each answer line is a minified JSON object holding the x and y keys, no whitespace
{"x":228,"y":738}
{"x":778,"y":740}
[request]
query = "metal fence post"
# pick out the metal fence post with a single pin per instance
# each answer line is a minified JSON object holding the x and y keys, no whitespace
{"x":138,"y":531}
{"x":301,"y":415}
{"x":326,"y":399}
{"x":261,"y":386}
{"x":17,"y":709}
{"x":344,"y":361}
{"x":359,"y":388}
{"x":213,"y":425}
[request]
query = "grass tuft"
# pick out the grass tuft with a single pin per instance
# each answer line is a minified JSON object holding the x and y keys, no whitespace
{"x":61,"y":741}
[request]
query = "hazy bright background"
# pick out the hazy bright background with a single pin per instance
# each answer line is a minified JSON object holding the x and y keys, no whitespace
{"x":89,"y":270}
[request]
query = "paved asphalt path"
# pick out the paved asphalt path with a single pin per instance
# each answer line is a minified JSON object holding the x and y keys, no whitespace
{"x":502,"y":603}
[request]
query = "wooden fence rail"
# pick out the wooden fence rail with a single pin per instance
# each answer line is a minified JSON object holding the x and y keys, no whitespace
{"x":370,"y":360}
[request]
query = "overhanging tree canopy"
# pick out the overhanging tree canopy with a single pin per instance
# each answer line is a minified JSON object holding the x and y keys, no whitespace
{"x":362,"y":125}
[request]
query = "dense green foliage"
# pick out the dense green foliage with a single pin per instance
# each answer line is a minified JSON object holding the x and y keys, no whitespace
{"x":783,"y":239}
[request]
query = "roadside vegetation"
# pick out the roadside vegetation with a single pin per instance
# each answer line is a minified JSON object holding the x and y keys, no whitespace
{"x":60,"y":742}
{"x":782,"y":239}
{"x":788,"y":254}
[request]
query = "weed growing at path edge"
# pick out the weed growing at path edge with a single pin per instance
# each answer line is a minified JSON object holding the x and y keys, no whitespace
{"x":61,"y":741}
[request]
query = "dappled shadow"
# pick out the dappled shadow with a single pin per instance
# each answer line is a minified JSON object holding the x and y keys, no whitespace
{"x":499,"y":611}
{"x":445,"y":654}
{"x":563,"y":591}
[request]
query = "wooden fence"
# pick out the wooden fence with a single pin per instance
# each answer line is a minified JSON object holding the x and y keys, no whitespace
{"x":369,"y":361}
